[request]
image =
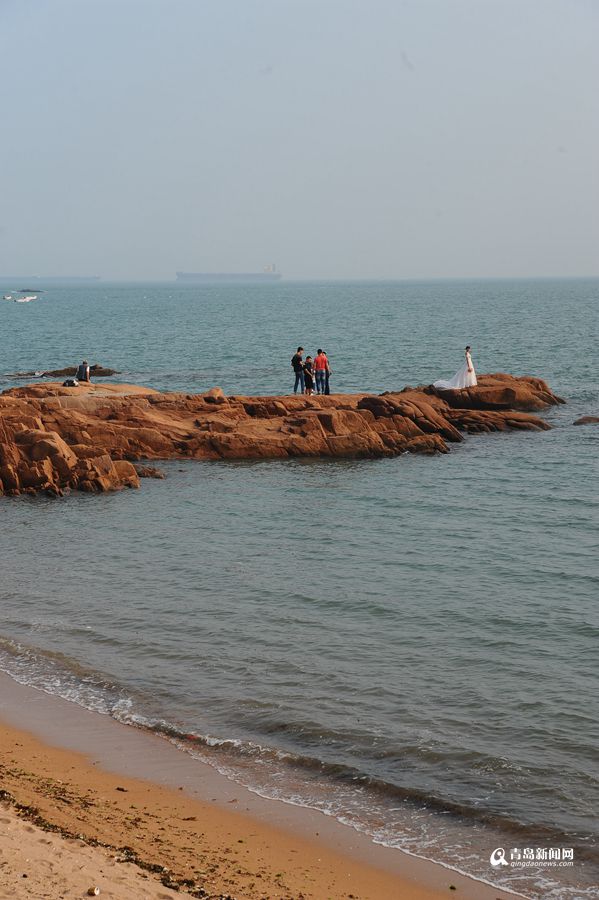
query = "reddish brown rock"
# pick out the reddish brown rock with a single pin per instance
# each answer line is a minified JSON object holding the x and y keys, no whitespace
{"x":54,"y":438}
{"x":587,"y":420}
{"x":501,"y":391}
{"x":147,"y":471}
{"x":215,"y":395}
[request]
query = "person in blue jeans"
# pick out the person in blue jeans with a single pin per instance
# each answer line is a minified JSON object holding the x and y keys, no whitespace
{"x":321,"y":368}
{"x":328,"y":373}
{"x":297,"y":364}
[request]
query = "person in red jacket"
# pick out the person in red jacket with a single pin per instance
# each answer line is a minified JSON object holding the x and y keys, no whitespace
{"x":321,"y":367}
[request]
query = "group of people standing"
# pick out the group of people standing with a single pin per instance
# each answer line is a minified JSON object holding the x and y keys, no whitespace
{"x":311,"y":372}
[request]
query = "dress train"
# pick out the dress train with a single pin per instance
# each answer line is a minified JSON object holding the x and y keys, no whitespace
{"x":464,"y":378}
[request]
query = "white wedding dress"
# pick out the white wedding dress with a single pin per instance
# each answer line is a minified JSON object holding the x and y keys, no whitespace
{"x":462,"y":379}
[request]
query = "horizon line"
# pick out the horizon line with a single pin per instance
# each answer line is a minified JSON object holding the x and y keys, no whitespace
{"x":99,"y":279}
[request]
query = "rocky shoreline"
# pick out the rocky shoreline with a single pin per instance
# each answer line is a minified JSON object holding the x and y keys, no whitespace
{"x":55,"y":438}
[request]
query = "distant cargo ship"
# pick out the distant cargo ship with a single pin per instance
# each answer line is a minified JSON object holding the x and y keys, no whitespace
{"x":269,"y":273}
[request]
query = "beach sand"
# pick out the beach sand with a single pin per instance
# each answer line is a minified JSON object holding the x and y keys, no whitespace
{"x":37,"y":863}
{"x":72,"y":820}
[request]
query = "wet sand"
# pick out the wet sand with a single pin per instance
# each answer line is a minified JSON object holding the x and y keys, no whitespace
{"x":88,"y":801}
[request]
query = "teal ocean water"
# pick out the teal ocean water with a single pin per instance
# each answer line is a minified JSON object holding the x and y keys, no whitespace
{"x":407,"y":644}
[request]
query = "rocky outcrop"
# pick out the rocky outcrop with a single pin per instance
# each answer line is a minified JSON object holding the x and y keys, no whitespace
{"x":587,"y":420}
{"x":96,"y":371}
{"x":501,"y":391}
{"x":55,"y":438}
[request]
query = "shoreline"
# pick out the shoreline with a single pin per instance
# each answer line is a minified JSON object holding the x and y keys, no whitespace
{"x":70,"y":763}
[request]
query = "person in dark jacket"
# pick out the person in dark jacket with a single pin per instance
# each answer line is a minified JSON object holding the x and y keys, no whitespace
{"x":327,"y":387}
{"x":83,"y":372}
{"x":309,"y":376}
{"x":297,"y":364}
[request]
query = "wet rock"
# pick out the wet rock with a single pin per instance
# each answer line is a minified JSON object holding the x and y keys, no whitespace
{"x":95,"y":371}
{"x":587,"y":420}
{"x":148,"y":471}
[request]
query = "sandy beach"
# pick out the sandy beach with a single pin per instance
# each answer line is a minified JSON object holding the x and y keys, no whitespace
{"x":74,"y":817}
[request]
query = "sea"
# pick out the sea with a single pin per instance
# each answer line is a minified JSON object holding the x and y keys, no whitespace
{"x":410,"y":644}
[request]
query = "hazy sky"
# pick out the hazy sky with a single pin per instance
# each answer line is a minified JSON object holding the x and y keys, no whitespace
{"x":337,"y":138}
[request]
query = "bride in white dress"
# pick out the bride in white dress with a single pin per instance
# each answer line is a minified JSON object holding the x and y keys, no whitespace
{"x":464,"y":378}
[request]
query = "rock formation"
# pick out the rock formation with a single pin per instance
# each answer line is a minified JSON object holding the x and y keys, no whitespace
{"x":96,"y":371}
{"x":587,"y":420}
{"x":54,"y":438}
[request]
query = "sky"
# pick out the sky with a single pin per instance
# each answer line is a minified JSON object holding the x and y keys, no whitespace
{"x":335,"y":138}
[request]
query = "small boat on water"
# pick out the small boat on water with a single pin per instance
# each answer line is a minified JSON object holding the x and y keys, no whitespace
{"x":7,"y":297}
{"x":26,"y":299}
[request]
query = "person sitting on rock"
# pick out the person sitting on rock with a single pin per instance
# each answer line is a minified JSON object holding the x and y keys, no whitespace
{"x":83,"y":372}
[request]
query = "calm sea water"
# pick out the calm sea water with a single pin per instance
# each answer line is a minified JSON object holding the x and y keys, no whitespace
{"x":407,"y":644}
